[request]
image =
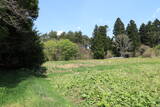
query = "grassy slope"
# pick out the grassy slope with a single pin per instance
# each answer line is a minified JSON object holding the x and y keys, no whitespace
{"x":28,"y":91}
{"x":114,"y":82}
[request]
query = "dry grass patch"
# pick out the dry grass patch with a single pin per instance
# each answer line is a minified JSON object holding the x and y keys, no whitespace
{"x":69,"y":66}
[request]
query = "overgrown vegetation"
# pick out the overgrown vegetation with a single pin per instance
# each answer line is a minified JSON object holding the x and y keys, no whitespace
{"x":108,"y":83}
{"x":105,"y":83}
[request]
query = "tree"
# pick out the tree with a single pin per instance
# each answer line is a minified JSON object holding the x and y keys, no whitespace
{"x":149,"y":30}
{"x":151,"y":36}
{"x":78,"y":37}
{"x":51,"y":50}
{"x":19,"y":43}
{"x":68,"y":50}
{"x":123,"y":44}
{"x":99,"y":42}
{"x":118,"y":27}
{"x":53,"y":35}
{"x":143,"y":34}
{"x":18,"y":13}
{"x":156,"y":31}
{"x":133,"y":35}
{"x":60,"y":50}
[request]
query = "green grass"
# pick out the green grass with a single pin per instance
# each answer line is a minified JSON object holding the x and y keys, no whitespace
{"x":131,"y":82}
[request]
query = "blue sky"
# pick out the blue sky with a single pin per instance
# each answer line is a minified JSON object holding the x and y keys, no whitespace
{"x":75,"y":15}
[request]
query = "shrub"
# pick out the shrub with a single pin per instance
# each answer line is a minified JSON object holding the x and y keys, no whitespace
{"x":157,"y":50}
{"x":50,"y":50}
{"x":60,"y":50}
{"x":149,"y":53}
{"x":68,"y":50}
{"x":142,"y":49}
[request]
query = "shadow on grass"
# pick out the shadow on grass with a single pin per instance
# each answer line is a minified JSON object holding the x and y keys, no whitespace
{"x":11,"y":78}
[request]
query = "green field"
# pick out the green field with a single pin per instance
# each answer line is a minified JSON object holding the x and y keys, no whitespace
{"x":131,"y":82}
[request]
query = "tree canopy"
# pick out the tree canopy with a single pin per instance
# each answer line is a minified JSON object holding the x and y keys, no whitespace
{"x":19,"y":42}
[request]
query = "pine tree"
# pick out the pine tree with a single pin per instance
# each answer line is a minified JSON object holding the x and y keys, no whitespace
{"x":153,"y":33}
{"x":156,"y":25}
{"x":133,"y":35}
{"x":143,"y":34}
{"x":119,"y":27}
{"x":156,"y":32}
{"x":99,"y":42}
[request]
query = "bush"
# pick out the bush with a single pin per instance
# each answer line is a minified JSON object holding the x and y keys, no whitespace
{"x":142,"y":49}
{"x":84,"y":53}
{"x":157,"y":50}
{"x":149,"y":53}
{"x":60,"y":50}
{"x":50,"y":50}
{"x":68,"y":50}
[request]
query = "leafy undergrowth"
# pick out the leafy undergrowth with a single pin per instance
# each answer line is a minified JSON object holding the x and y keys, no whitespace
{"x":110,"y":83}
{"x":131,"y":82}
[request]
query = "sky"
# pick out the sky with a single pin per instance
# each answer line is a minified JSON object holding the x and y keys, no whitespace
{"x":76,"y":15}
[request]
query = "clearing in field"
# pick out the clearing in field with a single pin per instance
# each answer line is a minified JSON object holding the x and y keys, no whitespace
{"x":131,"y":82}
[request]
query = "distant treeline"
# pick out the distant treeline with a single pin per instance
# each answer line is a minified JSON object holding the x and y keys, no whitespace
{"x":22,"y":46}
{"x":129,"y":41}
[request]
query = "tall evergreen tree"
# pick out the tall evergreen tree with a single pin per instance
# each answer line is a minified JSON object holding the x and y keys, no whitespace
{"x":152,"y":33}
{"x":156,"y":25}
{"x":119,"y":27}
{"x":143,"y":34}
{"x":156,"y":32}
{"x":99,"y":42}
{"x":133,"y":35}
{"x":19,"y":44}
{"x":53,"y":35}
{"x":78,"y":37}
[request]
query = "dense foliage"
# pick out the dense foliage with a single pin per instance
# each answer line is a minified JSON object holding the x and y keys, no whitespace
{"x":100,"y":42}
{"x":147,"y":35}
{"x":119,"y":27}
{"x":76,"y":37}
{"x":19,"y":43}
{"x":60,"y":50}
{"x":101,"y":46}
{"x":132,"y":32}
{"x":150,"y":33}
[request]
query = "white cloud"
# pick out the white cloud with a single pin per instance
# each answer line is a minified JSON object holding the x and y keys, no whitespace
{"x":79,"y":28}
{"x":156,"y":14}
{"x":59,"y":32}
